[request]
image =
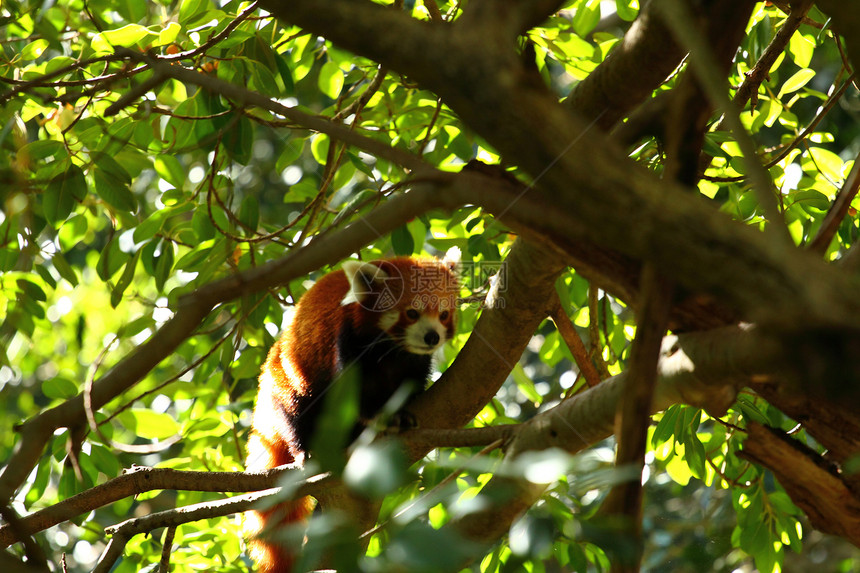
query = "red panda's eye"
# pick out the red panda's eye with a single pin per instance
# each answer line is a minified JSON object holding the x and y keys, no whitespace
{"x":412,"y":314}
{"x":443,"y":315}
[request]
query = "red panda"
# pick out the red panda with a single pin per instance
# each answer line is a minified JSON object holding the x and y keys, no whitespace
{"x":385,"y":317}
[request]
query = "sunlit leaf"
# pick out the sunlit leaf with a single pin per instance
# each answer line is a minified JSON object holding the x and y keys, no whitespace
{"x":331,"y":79}
{"x":795,"y":82}
{"x":125,"y":37}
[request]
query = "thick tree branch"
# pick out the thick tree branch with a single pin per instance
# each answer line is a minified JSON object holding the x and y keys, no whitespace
{"x":497,"y":342}
{"x":624,"y":501}
{"x":508,"y":18}
{"x":643,"y":60}
{"x":605,"y":198}
{"x":816,"y":487}
{"x":702,"y":369}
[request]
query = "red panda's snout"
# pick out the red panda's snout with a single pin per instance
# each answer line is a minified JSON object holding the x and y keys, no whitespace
{"x":425,"y":335}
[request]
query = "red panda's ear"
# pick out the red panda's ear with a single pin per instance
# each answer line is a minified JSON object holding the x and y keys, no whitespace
{"x":452,"y":259}
{"x":363,"y":279}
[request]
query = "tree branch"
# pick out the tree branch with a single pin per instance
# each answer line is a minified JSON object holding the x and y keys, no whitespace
{"x":812,"y":484}
{"x":633,"y":416}
{"x":574,"y":343}
{"x":124,"y":531}
{"x":761,"y":70}
{"x":165,"y":69}
{"x":507,"y":18}
{"x":644,"y":58}
{"x":134,"y":481}
{"x":702,"y":369}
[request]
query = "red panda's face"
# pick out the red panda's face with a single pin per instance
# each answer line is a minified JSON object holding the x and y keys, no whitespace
{"x":413,"y":301}
{"x":421,"y":326}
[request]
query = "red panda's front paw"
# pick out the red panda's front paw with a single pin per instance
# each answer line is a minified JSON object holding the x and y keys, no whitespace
{"x":403,"y":420}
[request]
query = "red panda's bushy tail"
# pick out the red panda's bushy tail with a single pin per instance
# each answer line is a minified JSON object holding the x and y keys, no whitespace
{"x":269,"y":446}
{"x":269,"y":555}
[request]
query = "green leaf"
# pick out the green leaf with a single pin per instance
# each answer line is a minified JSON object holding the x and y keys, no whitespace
{"x":163,"y":264}
{"x":46,"y":275}
{"x":114,"y":191}
{"x":68,"y":485}
{"x":191,"y":9}
{"x":150,"y":226}
{"x":59,"y":388}
{"x":42,"y":148}
{"x":34,"y":49}
{"x":525,"y":384}
{"x":126,"y":36}
{"x":202,"y":225}
{"x":666,"y":426}
{"x":168,"y":34}
{"x":830,"y":164}
{"x":377,"y":469}
{"x":32,"y":290}
{"x":795,"y":82}
{"x":155,"y":222}
{"x":338,"y":416}
{"x":291,"y":152}
{"x":319,"y":147}
{"x":148,"y":424}
{"x":124,"y":280}
{"x":61,"y":194}
{"x":169,"y":168}
{"x":8,"y":258}
{"x":627,"y":10}
{"x":586,"y":18}
{"x":811,"y":198}
{"x":286,"y":74}
{"x":110,"y":260}
{"x":249,"y":212}
{"x":402,"y":242}
{"x":38,"y":485}
{"x":104,"y":460}
{"x":330,"y":79}
{"x":695,"y":456}
{"x":66,"y":271}
{"x":239,"y":141}
{"x":801,"y":48}
{"x":190,"y":260}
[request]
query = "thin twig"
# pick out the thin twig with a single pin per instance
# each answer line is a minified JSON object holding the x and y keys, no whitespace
{"x":164,"y":565}
{"x":574,"y":343}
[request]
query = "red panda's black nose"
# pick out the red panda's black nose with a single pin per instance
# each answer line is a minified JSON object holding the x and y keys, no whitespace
{"x":431,"y":338}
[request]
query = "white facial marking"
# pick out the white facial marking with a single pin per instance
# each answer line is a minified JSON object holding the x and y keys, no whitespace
{"x":414,"y":336}
{"x":388,"y":319}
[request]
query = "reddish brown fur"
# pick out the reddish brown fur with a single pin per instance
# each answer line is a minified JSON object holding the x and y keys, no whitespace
{"x":308,"y":356}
